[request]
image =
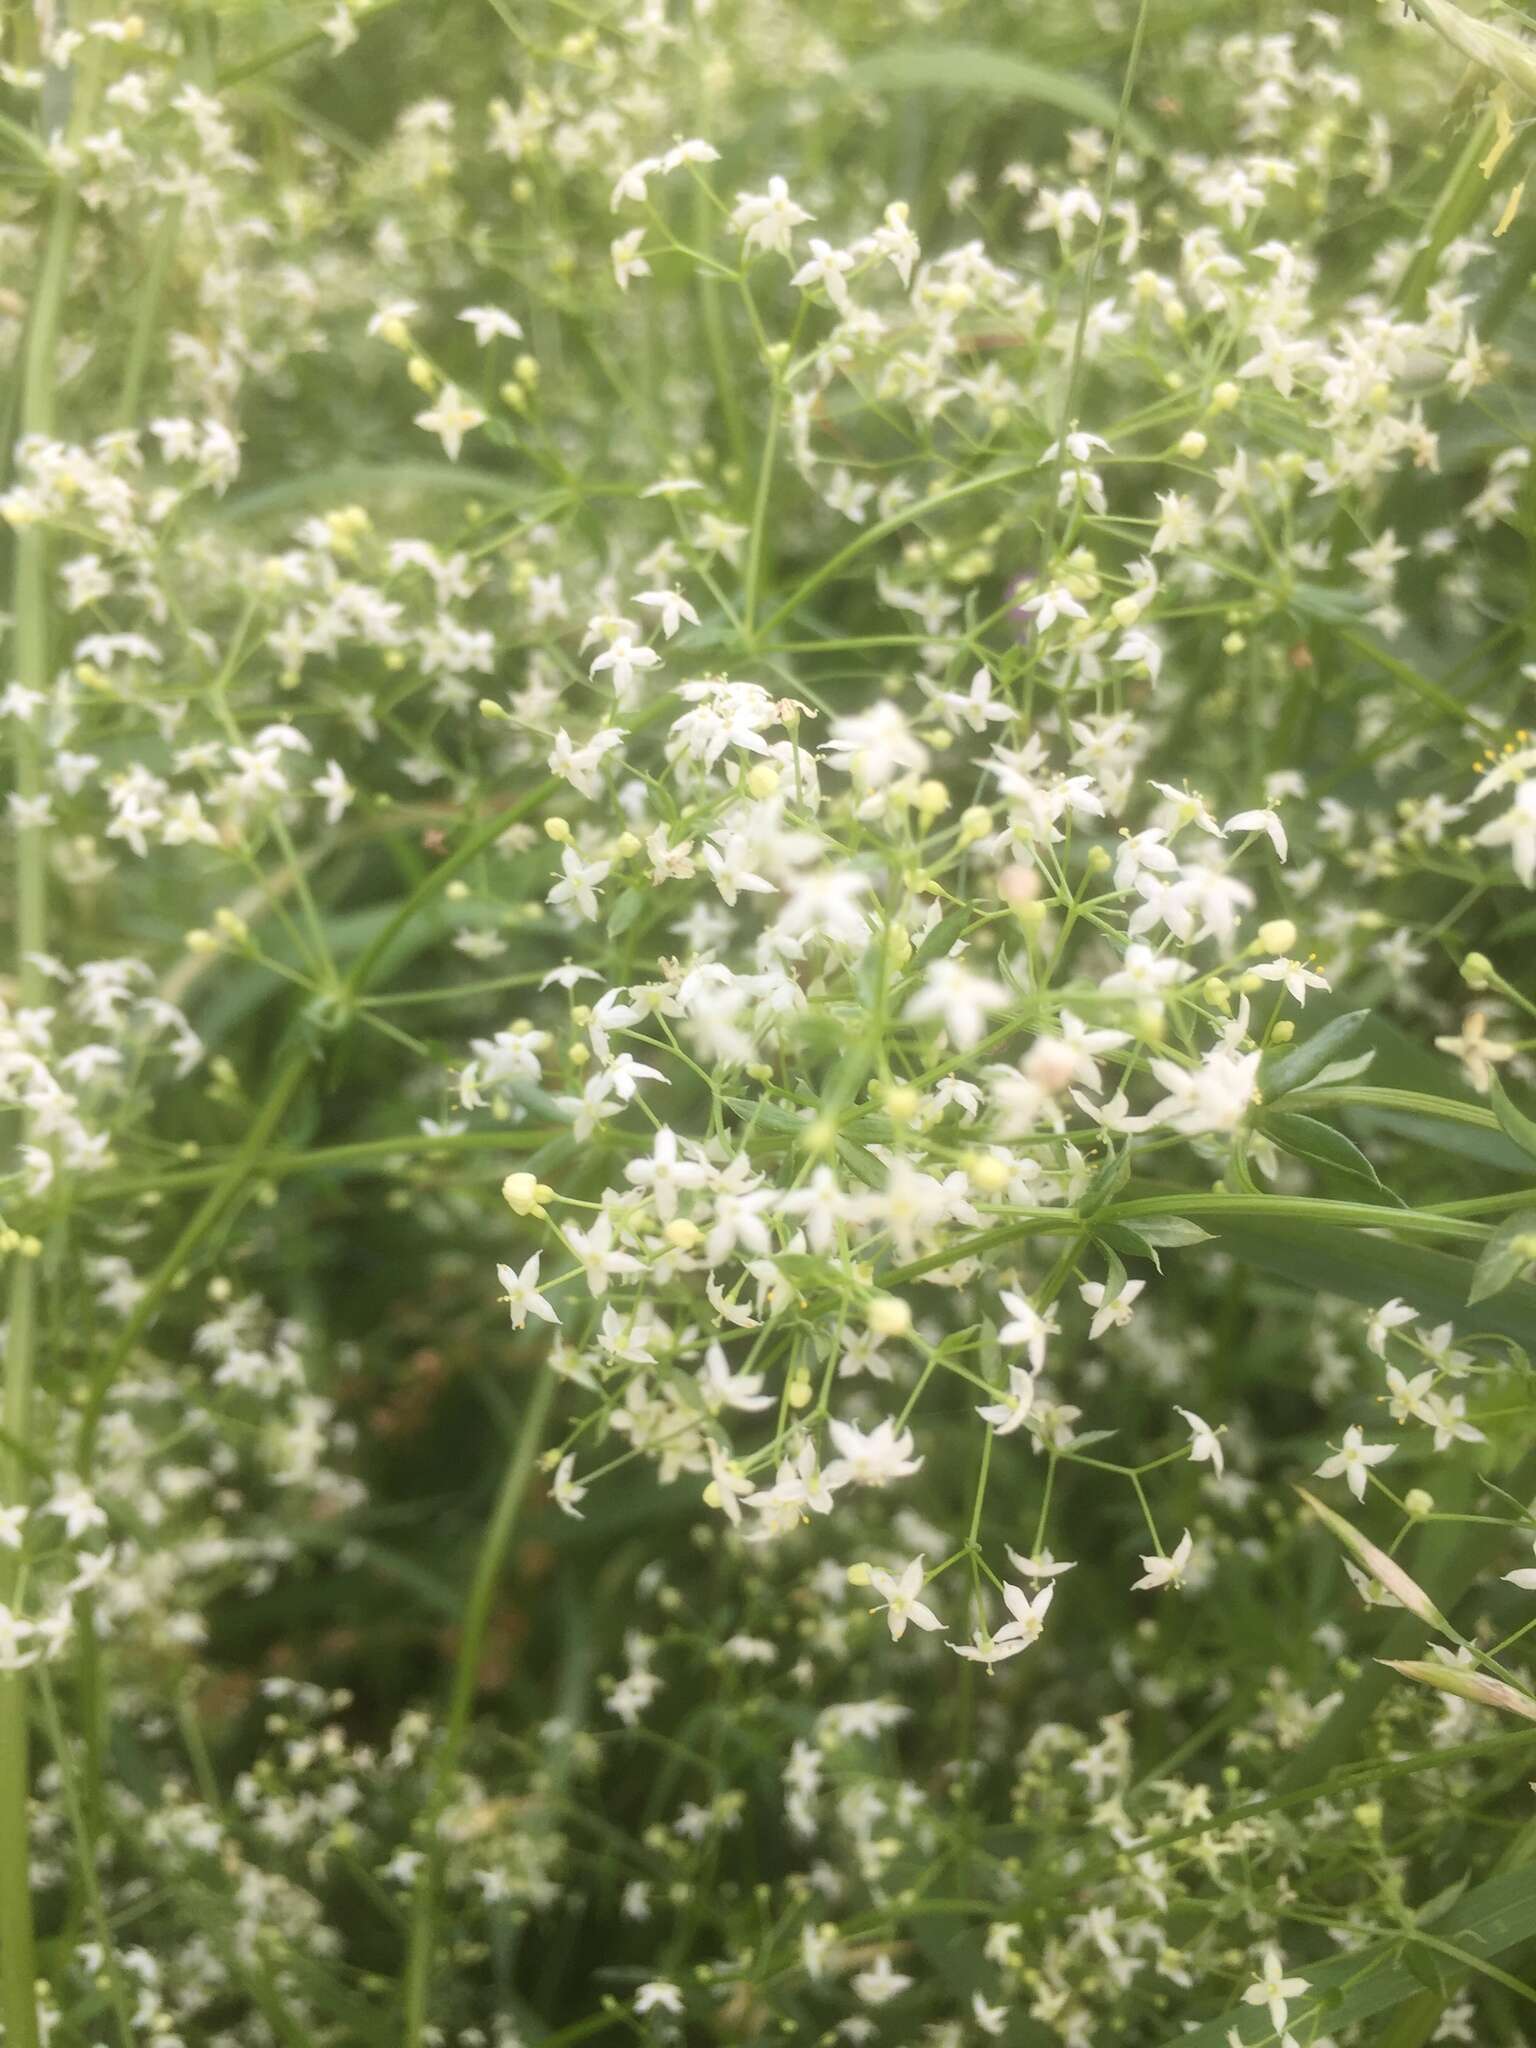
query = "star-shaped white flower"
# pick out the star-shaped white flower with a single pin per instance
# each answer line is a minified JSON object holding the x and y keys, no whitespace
{"x":1166,"y":1571}
{"x":522,"y":1296}
{"x":902,"y":1603}
{"x":1353,"y":1459}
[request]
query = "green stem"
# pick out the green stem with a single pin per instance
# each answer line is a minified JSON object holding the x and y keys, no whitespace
{"x":18,"y":1949}
{"x":477,"y":1614}
{"x":210,"y":1212}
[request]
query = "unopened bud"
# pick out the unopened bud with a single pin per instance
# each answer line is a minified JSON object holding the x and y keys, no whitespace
{"x":1477,"y":971}
{"x":988,"y":1174}
{"x":902,"y":1104}
{"x":888,"y":1316}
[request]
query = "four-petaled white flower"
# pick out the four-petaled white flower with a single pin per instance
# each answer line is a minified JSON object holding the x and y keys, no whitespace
{"x":522,"y":1293}
{"x":1273,"y":1989}
{"x":451,"y":418}
{"x":1011,"y":1410}
{"x":1163,"y":1571}
{"x":1353,"y":1460}
{"x":1205,"y":1442}
{"x":903,"y":1601}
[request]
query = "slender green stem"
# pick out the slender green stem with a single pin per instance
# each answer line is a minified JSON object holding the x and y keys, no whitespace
{"x":18,"y":1961}
{"x":477,"y":1614}
{"x":209,"y":1214}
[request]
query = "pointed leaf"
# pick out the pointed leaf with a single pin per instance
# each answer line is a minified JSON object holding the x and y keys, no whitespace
{"x":1515,"y":1125}
{"x":1299,"y":1064}
{"x":1385,"y":1569}
{"x":1466,"y":1685}
{"x":1510,"y":1250}
{"x":1305,"y":1137}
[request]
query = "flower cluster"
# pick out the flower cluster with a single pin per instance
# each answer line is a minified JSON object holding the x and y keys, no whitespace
{"x":769,"y":829}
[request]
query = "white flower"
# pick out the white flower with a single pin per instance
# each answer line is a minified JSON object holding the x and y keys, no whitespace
{"x":1392,"y":1315}
{"x":579,"y":881}
{"x":564,"y":1490}
{"x":1042,"y":1566}
{"x":1110,"y":1311}
{"x":673,"y":607}
{"x":870,"y":1459}
{"x":658,"y":1996}
{"x":962,"y":999}
{"x":489,"y":322}
{"x":1028,"y":1614}
{"x":992,"y":2019}
{"x":1296,"y":977}
{"x":1353,"y":1460}
{"x":624,"y":251}
{"x":880,"y":1982}
{"x":597,"y":1255}
{"x":451,"y":419}
{"x":1478,"y":1053}
{"x":902,"y":1601}
{"x":1273,"y":1989}
{"x":766,"y":220}
{"x":827,"y":267}
{"x":1166,"y":1571}
{"x":665,"y":1174}
{"x":1205,"y":1442}
{"x":986,"y":1649}
{"x":1260,"y":821}
{"x":522,"y":1296}
{"x":334,"y":787}
{"x":1516,"y":829}
{"x":1029,"y":1327}
{"x":1012,"y":1410}
{"x":1524,"y":1578}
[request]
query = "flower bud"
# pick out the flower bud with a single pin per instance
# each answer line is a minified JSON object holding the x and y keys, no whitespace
{"x":525,"y":1194}
{"x":1477,"y":971}
{"x":1277,"y":936}
{"x":888,"y":1316}
{"x":988,"y":1174}
{"x":902,"y":1104}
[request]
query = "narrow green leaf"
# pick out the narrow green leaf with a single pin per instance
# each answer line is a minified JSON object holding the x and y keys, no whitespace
{"x":1371,"y":1269}
{"x":940,"y":939}
{"x":1106,"y":1183}
{"x":1361,"y":1983}
{"x":626,"y":911}
{"x":1475,"y":1686}
{"x":1304,"y":1137}
{"x":1510,"y":1250}
{"x":1171,"y":1233}
{"x":1299,"y":1064}
{"x":971,"y":71}
{"x":1512,"y":1122}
